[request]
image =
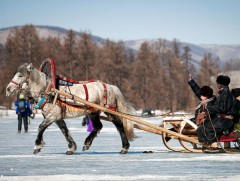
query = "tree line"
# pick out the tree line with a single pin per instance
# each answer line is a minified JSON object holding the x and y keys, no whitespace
{"x":154,"y":77}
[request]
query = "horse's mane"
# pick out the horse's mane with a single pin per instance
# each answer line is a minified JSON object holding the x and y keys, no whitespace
{"x":23,"y":69}
{"x":34,"y":75}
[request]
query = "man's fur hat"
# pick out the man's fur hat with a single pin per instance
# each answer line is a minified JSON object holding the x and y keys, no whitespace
{"x":223,"y":80}
{"x":206,"y":91}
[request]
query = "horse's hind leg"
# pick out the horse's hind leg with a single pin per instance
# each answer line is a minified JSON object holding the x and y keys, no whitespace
{"x":71,"y":143}
{"x":97,"y":127}
{"x":39,"y":143}
{"x":119,"y":125}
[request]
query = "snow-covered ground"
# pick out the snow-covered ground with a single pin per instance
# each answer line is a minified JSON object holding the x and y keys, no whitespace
{"x":102,"y":161}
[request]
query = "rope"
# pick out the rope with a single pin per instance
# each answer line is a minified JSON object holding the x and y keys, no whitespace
{"x":215,"y":133}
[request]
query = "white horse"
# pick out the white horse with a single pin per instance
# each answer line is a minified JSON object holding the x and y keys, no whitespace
{"x":35,"y":84}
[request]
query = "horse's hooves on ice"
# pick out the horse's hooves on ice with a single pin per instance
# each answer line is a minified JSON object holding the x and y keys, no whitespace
{"x":124,"y":151}
{"x":85,"y":147}
{"x":36,"y":151}
{"x":69,"y":152}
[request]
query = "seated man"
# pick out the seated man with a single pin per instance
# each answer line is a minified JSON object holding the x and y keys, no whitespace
{"x":220,"y":115}
{"x":205,"y":94}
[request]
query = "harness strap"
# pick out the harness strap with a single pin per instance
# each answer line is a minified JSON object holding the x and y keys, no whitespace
{"x":111,"y":107}
{"x":43,"y":104}
{"x":104,"y":102}
{"x":15,"y":83}
{"x":105,"y":94}
{"x":86,"y":91}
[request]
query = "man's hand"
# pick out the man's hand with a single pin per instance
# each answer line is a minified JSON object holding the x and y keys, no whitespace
{"x":189,"y":77}
{"x":200,"y":118}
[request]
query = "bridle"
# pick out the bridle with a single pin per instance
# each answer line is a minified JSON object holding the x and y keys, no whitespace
{"x":19,"y":85}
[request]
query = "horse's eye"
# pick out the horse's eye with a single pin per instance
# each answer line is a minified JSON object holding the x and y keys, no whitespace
{"x":20,"y":76}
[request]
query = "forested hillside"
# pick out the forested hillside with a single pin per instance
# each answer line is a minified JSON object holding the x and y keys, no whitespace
{"x":155,"y":76}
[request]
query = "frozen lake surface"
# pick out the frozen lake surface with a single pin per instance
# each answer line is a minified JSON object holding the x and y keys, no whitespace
{"x":102,"y":161}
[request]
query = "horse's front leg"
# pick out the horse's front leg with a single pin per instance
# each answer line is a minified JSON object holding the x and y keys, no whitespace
{"x":39,"y":143}
{"x":71,"y":143}
{"x":97,"y":127}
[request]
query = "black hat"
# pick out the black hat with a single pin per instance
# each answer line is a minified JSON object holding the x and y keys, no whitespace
{"x":223,"y":80}
{"x":236,"y":92}
{"x":206,"y":91}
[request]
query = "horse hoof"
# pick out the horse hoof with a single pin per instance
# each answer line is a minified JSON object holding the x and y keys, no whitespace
{"x":123,"y":151}
{"x":85,"y":147}
{"x":69,"y":152}
{"x":36,"y":151}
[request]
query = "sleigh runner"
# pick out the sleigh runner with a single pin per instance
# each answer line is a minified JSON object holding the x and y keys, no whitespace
{"x":65,"y":98}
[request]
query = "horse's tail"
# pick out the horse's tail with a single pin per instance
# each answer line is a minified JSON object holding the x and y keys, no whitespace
{"x":126,"y":107}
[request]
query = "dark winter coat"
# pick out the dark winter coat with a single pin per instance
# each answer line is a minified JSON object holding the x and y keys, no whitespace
{"x":200,"y":108}
{"x":195,"y":88}
{"x":211,"y":130}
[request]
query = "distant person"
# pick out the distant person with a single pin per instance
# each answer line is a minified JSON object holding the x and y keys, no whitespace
{"x":23,"y":111}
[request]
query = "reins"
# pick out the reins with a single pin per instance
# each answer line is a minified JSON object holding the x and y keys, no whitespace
{"x":215,"y":133}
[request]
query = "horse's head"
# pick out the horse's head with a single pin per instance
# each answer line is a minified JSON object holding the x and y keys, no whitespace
{"x":27,"y":79}
{"x":19,"y":81}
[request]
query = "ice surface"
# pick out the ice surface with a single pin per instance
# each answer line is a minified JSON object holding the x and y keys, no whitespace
{"x":102,"y":161}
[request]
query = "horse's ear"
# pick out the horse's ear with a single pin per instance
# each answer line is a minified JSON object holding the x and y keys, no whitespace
{"x":30,"y":67}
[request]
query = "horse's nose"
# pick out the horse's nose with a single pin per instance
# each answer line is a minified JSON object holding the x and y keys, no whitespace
{"x":8,"y":91}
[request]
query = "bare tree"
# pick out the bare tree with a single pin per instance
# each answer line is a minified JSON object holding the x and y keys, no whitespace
{"x":23,"y":45}
{"x":70,"y":51}
{"x":52,"y":48}
{"x":208,"y":68}
{"x":232,"y":64}
{"x":86,"y":55}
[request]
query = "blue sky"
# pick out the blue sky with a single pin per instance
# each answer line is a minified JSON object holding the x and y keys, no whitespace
{"x":193,"y":21}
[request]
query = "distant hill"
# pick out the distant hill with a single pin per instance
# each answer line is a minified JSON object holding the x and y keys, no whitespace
{"x":45,"y":32}
{"x":224,"y":52}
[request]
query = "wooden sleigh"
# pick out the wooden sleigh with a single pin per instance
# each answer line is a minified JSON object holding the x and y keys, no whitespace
{"x":174,"y":127}
{"x":184,"y":126}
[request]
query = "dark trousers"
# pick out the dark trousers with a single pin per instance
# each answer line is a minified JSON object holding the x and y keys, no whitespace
{"x":211,"y":130}
{"x":24,"y":118}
